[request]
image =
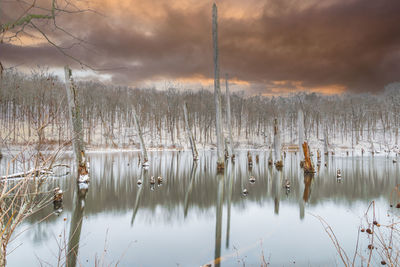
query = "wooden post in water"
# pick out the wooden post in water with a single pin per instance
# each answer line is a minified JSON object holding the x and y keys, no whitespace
{"x":217,"y":92}
{"x":76,"y":122}
{"x":145,"y":159}
{"x":228,"y":117}
{"x":308,"y":166}
{"x":190,"y":134}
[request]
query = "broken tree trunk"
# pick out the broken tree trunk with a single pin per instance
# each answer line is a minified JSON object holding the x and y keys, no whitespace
{"x":308,"y":166}
{"x":228,"y":117}
{"x":190,"y":134}
{"x":217,"y":92}
{"x":277,"y":145}
{"x":141,"y":140}
{"x":76,"y":122}
{"x":300,"y":124}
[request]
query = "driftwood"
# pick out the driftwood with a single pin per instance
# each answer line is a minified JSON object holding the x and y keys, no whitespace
{"x":35,"y":173}
{"x":308,"y":165}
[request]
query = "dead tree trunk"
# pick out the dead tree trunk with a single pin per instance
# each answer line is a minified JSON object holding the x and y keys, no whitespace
{"x":228,"y":117}
{"x":217,"y":92}
{"x":190,"y":134}
{"x":300,"y":123}
{"x":141,"y":140}
{"x":277,"y":145}
{"x":76,"y":122}
{"x":326,"y":151}
{"x":308,"y":165}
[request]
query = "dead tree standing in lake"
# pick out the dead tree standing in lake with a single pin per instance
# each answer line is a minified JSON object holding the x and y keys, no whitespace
{"x":145,"y":158}
{"x":277,"y":146}
{"x":300,"y":123}
{"x":76,"y":122}
{"x":190,"y":134}
{"x":228,"y":118}
{"x":217,"y":92}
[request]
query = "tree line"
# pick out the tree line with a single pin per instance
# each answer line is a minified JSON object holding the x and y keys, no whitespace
{"x":33,"y":108}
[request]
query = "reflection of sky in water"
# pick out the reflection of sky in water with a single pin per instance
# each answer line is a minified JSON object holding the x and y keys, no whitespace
{"x":159,"y":233}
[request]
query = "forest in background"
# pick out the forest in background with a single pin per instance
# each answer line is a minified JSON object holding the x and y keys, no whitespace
{"x":33,"y":109}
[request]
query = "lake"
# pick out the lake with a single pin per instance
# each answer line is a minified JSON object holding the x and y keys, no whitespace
{"x":198,"y":217}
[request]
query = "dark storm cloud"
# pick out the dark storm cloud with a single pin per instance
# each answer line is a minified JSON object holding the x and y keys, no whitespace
{"x":355,"y":44}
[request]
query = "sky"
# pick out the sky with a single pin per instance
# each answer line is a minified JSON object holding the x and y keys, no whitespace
{"x":266,"y":47}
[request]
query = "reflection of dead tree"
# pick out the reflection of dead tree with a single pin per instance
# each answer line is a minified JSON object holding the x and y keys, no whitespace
{"x":308,"y":177}
{"x":76,"y":225}
{"x":229,"y":203}
{"x":143,"y":175}
{"x":218,"y":221}
{"x":189,"y":189}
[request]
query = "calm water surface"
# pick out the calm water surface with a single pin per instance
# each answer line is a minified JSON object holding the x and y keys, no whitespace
{"x":197,"y":216}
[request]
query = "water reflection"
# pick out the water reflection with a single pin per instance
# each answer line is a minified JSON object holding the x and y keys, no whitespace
{"x":76,"y":225}
{"x":218,"y":217}
{"x":193,"y":190}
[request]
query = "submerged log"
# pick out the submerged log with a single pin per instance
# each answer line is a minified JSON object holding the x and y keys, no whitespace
{"x":308,"y":165}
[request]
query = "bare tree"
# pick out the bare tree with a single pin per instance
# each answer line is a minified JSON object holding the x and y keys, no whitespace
{"x":76,"y":123}
{"x":141,"y":140}
{"x":217,"y":91}
{"x":190,"y":134}
{"x":228,"y":117}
